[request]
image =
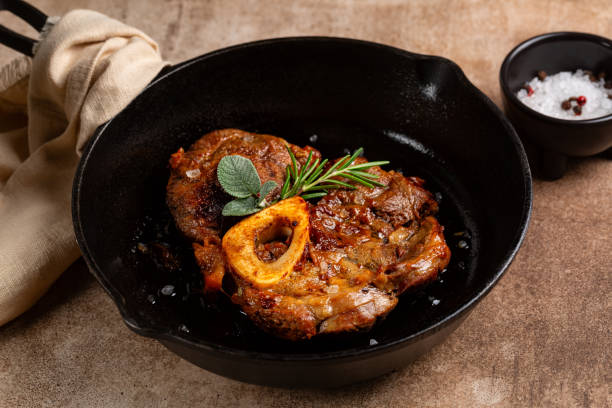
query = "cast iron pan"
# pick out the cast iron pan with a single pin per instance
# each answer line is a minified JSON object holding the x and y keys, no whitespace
{"x":418,"y":111}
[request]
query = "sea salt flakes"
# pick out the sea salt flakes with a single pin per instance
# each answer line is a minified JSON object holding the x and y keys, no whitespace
{"x":549,"y":94}
{"x":195,"y":173}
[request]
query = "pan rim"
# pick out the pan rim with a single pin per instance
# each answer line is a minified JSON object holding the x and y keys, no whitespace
{"x":167,"y":334}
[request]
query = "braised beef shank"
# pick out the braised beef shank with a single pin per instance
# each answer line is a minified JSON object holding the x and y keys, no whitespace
{"x":365,"y":246}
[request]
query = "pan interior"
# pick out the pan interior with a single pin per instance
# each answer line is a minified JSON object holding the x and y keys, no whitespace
{"x":418,"y":112}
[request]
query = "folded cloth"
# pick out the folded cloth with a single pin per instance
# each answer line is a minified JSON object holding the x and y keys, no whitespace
{"x":86,"y":68}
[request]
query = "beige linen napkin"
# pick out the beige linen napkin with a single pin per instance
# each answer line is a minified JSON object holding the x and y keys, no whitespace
{"x":85,"y":70}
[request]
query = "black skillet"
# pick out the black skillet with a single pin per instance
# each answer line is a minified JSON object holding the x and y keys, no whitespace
{"x":336,"y":94}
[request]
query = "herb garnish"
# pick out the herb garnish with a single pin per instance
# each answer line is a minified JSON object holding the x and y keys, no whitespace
{"x":238,"y":177}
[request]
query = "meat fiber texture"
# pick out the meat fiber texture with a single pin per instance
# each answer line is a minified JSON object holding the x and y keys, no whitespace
{"x":365,"y":246}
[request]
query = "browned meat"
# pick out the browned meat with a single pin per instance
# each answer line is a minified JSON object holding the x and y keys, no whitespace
{"x":195,"y":197}
{"x":363,"y":247}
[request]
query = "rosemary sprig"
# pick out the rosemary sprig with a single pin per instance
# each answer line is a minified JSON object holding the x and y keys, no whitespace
{"x":239,"y":178}
{"x":309,"y":181}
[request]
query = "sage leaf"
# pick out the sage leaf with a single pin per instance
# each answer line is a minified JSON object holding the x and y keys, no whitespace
{"x":267,"y":187}
{"x":240,"y":207}
{"x":238,"y":176}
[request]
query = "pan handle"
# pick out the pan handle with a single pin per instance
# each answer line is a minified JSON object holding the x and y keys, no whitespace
{"x":30,"y":15}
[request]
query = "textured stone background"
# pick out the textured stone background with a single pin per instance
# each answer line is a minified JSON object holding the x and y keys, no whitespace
{"x":540,"y":338}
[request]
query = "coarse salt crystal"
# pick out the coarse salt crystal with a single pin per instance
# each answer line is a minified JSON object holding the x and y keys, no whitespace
{"x":549,"y":94}
{"x":332,"y":289}
{"x":167,"y":290}
{"x":193,"y":173}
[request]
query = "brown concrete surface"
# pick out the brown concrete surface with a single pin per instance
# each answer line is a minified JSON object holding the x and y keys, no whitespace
{"x":541,"y":338}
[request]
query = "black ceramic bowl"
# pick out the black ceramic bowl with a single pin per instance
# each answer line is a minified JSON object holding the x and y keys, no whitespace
{"x":555,"y":138}
{"x":418,"y":111}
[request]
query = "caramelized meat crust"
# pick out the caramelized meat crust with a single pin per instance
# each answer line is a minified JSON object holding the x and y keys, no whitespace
{"x":195,"y":197}
{"x":365,"y":246}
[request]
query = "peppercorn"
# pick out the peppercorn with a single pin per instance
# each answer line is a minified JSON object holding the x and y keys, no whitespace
{"x":593,"y":78}
{"x":528,"y":88}
{"x":581,"y":100}
{"x":566,"y":105}
{"x":577,"y":110}
{"x":541,"y":75}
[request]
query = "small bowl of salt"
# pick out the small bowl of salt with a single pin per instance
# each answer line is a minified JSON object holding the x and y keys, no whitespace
{"x":557,"y":92}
